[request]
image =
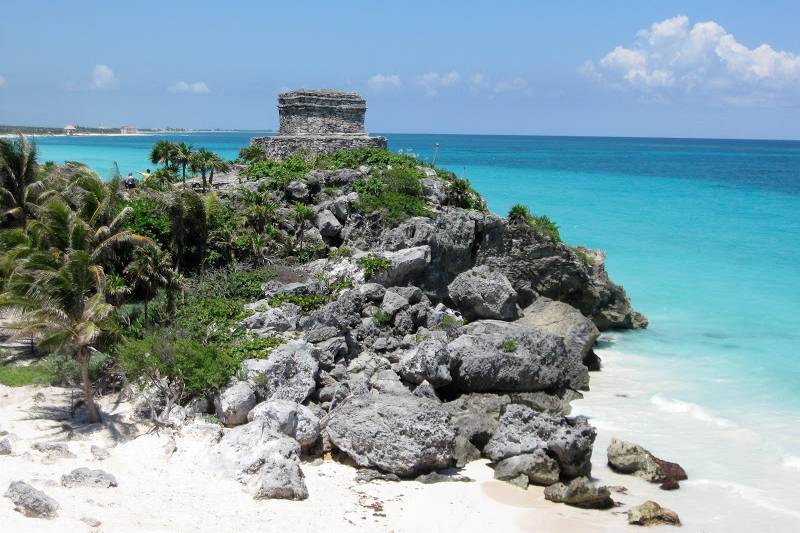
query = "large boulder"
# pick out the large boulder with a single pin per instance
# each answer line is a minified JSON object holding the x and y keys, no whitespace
{"x":561,"y":319}
{"x":652,"y":514}
{"x":483,"y":292}
{"x":335,"y":318}
{"x":288,"y":418}
{"x":233,"y":402}
{"x":396,"y":433}
{"x":265,"y":461}
{"x":84,"y":477}
{"x":521,"y":430}
{"x":289,"y":373}
{"x":31,"y":501}
{"x":407,"y":265}
{"x":428,"y":361}
{"x":629,"y":458}
{"x":580,"y":492}
{"x":497,"y":356}
{"x":327,"y":223}
{"x":475,"y":416}
{"x":538,"y":468}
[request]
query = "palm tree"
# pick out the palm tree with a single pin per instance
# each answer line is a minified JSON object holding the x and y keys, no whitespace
{"x":63,"y":306}
{"x":216,"y":164}
{"x":252,"y":154}
{"x":19,"y":184}
{"x":183,"y":157}
{"x":200,"y":162}
{"x":162,"y":152}
{"x":519,"y":214}
{"x":149,"y":270}
{"x":301,"y":214}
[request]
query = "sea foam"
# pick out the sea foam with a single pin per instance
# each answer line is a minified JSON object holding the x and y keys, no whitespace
{"x":697,"y":412}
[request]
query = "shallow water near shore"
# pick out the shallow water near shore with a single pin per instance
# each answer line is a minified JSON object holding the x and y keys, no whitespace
{"x":705,"y":237}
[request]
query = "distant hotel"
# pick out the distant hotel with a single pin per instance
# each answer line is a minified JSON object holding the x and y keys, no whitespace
{"x":70,"y":129}
{"x":129,"y":130}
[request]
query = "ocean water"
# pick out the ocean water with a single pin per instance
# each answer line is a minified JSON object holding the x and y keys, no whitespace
{"x":705,"y":237}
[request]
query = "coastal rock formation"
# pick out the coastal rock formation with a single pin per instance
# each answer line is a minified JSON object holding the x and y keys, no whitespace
{"x":521,"y":430}
{"x":288,"y":418}
{"x":629,"y":458}
{"x":652,"y":514}
{"x":234,"y":402}
{"x":580,"y":492}
{"x":536,"y":468}
{"x":399,"y":434}
{"x":497,"y":356}
{"x":31,"y":501}
{"x":482,"y":293}
{"x":318,"y":121}
{"x":559,"y":318}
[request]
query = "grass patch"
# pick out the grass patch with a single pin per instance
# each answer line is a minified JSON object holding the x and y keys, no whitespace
{"x":584,"y":257}
{"x":381,"y":318}
{"x":395,"y":193}
{"x":508,"y":345}
{"x":33,"y":374}
{"x":373,"y":264}
{"x":520,"y":214}
{"x":450,"y":322}
{"x":306,"y":302}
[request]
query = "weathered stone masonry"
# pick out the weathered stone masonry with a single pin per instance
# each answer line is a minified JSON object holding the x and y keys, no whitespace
{"x":318,"y":121}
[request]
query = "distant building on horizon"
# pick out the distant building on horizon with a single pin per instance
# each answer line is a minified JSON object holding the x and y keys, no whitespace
{"x":129,"y":130}
{"x":70,"y":129}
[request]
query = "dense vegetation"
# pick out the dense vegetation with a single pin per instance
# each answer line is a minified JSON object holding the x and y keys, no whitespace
{"x":151,"y":284}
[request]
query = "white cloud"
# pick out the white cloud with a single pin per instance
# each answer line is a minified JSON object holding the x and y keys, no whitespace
{"x":431,"y":82}
{"x":3,"y":82}
{"x":674,"y":56}
{"x":513,"y":85}
{"x":103,"y":78}
{"x":479,"y":81}
{"x":384,"y":81}
{"x":196,"y":87}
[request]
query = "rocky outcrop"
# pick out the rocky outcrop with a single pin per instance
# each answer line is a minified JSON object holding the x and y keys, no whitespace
{"x":289,"y":373}
{"x":429,"y":362}
{"x":482,"y":292}
{"x":580,"y":492}
{"x":288,"y":418}
{"x":652,"y":514}
{"x":84,"y":477}
{"x":561,"y":319}
{"x":521,"y":430}
{"x":496,"y":356}
{"x":536,"y":468}
{"x":399,"y":434}
{"x":234,"y":402}
{"x":31,"y":501}
{"x":265,"y":461}
{"x":629,"y":458}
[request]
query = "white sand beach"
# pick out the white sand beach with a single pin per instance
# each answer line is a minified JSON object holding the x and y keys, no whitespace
{"x":167,"y":484}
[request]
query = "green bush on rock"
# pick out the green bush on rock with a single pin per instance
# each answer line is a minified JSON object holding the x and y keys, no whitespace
{"x":373,"y":264}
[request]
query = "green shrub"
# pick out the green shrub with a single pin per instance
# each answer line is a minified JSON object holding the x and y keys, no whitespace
{"x":342,"y":251}
{"x":520,"y":214}
{"x":396,"y":193}
{"x":65,"y":372}
{"x":509,"y":345}
{"x":306,"y":302}
{"x":373,"y":264}
{"x":252,"y":347}
{"x":450,"y":322}
{"x":381,"y":318}
{"x":200,"y":367}
{"x":280,"y":173}
{"x":150,"y":218}
{"x":584,"y":257}
{"x":363,"y":156}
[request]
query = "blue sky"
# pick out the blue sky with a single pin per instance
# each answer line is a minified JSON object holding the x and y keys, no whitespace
{"x":639,"y":68}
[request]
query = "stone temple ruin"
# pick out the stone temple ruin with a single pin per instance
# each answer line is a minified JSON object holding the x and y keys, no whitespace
{"x":318,"y":121}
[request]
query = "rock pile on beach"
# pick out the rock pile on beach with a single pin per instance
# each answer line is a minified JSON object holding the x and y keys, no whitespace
{"x":451,"y":337}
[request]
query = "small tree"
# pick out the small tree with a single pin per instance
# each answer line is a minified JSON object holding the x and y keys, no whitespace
{"x":301,"y":213}
{"x":19,"y":185}
{"x":149,"y":270}
{"x":182,"y":156}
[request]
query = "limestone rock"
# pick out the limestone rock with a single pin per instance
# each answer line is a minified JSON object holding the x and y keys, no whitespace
{"x":580,"y":492}
{"x":483,"y":292}
{"x":5,"y":446}
{"x":84,"y":477}
{"x":629,"y":458}
{"x":398,"y":434}
{"x":289,"y":373}
{"x":475,"y":416}
{"x":497,"y":356}
{"x":280,"y":478}
{"x":652,"y":514}
{"x":233,"y":402}
{"x":393,"y":303}
{"x":522,"y":430}
{"x":31,"y":501}
{"x":297,"y":191}
{"x":288,"y":418}
{"x":561,"y":319}
{"x":408,"y":264}
{"x":100,"y":454}
{"x":272,"y":321}
{"x":539,"y":468}
{"x":54,"y":450}
{"x":429,"y":361}
{"x":327,"y":223}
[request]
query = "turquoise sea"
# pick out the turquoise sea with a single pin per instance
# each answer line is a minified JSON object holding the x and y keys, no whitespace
{"x":705,"y":237}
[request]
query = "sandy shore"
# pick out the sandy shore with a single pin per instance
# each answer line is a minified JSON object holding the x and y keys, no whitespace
{"x":167,"y":483}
